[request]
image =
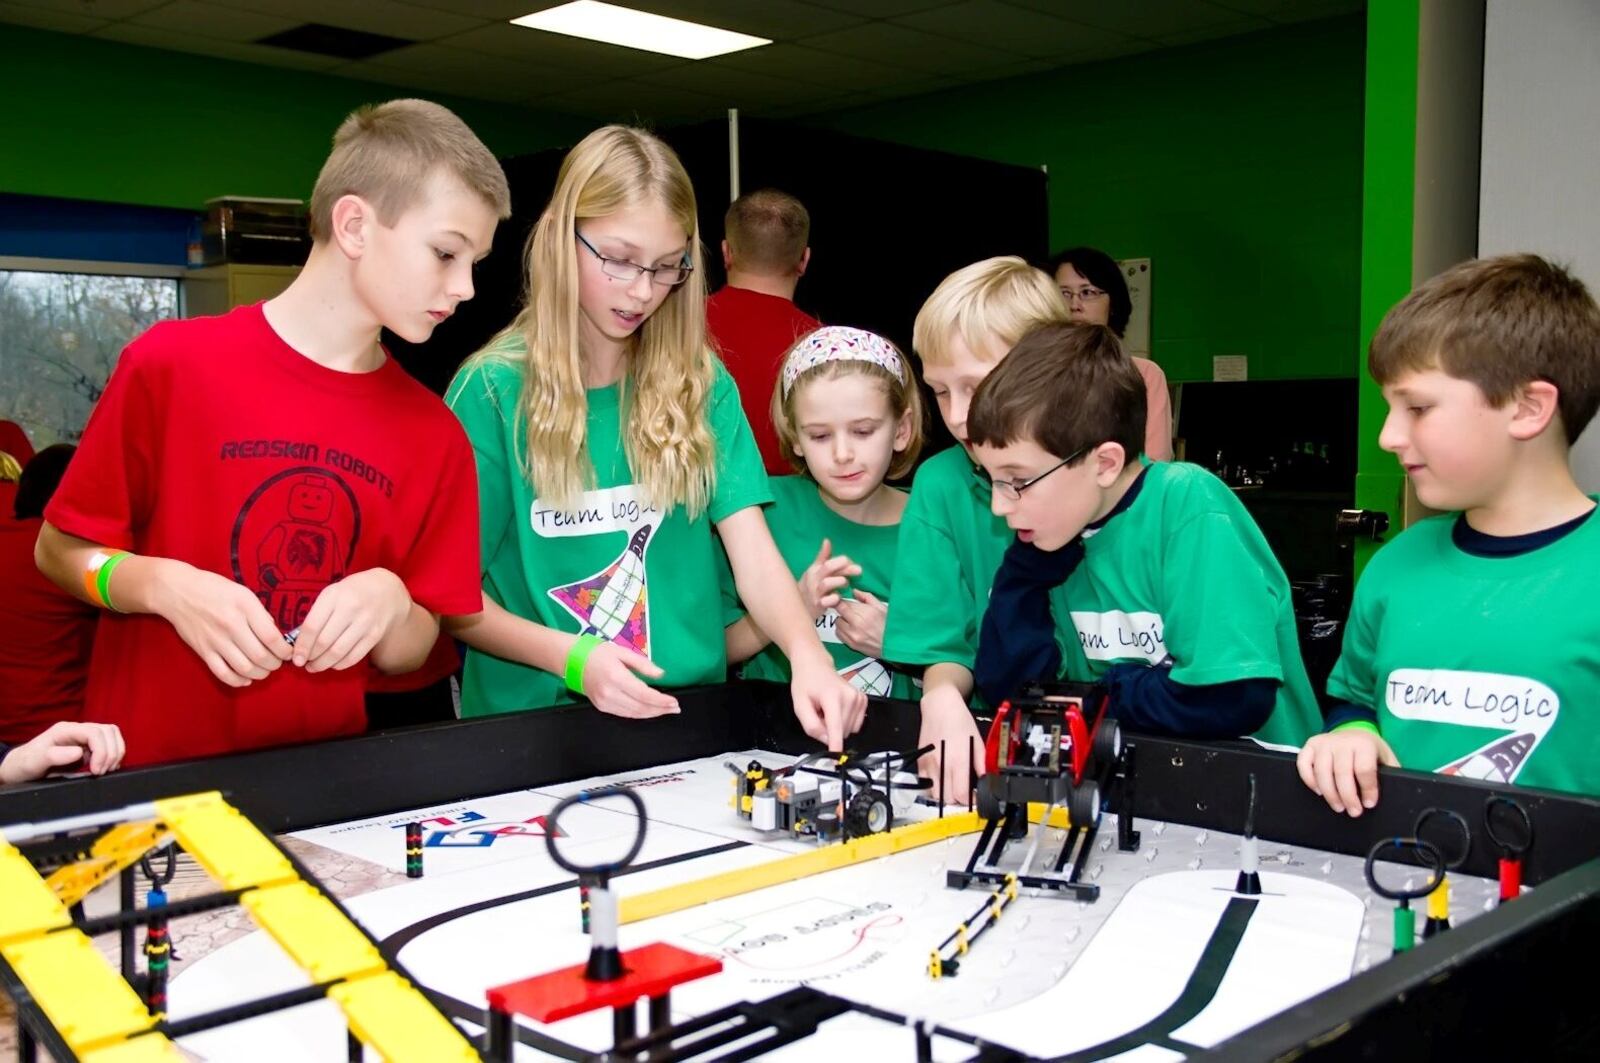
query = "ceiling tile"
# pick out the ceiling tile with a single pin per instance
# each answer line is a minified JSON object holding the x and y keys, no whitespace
{"x":1208,"y":33}
{"x":100,"y":10}
{"x":801,"y":63}
{"x":878,"y":8}
{"x":573,"y":53}
{"x":1292,"y":10}
{"x":390,"y":18}
{"x":443,"y":69}
{"x":214,"y":21}
{"x":1139,"y":18}
{"x":1000,"y":25}
{"x":885,"y":42}
{"x":44,"y":18}
{"x":173,"y":41}
{"x":774,"y":19}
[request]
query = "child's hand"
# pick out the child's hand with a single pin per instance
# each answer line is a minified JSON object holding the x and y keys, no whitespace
{"x":349,"y":618}
{"x":609,"y":681}
{"x":1342,"y":766}
{"x":828,"y":708}
{"x":221,"y":621}
{"x":98,"y":745}
{"x":945,"y":716}
{"x":822,"y":579}
{"x":861,"y":622}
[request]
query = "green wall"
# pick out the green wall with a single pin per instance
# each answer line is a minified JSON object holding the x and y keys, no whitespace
{"x":1235,"y":165}
{"x":99,"y":120}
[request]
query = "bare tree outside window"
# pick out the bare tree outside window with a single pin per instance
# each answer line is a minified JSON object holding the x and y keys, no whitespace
{"x":60,"y":335}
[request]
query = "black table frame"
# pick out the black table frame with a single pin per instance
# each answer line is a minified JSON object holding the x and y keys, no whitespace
{"x":1489,"y":985}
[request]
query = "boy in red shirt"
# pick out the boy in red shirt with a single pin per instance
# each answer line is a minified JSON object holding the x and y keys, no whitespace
{"x":265,"y":498}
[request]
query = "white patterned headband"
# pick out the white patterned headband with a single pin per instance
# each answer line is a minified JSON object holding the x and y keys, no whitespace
{"x":839,"y":343}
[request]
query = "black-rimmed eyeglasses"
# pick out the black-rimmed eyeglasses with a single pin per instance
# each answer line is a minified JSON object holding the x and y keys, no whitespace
{"x":623,"y":270}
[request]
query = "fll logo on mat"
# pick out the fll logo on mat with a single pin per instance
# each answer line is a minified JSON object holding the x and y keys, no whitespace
{"x":473,"y":830}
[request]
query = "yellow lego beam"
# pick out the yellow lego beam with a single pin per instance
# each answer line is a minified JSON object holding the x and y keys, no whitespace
{"x":30,"y":907}
{"x":313,"y":931}
{"x":83,"y":997}
{"x":393,"y":1016}
{"x":116,"y":849}
{"x":789,"y":868}
{"x":148,"y":1049}
{"x":231,"y":849}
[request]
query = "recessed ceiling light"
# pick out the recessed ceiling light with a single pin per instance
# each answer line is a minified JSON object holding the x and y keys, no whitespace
{"x":611,"y":24}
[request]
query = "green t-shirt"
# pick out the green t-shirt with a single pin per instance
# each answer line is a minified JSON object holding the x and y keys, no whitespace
{"x":1485,"y":667}
{"x":1185,"y":573}
{"x":611,"y":567}
{"x":951,"y":545}
{"x":800,"y":520}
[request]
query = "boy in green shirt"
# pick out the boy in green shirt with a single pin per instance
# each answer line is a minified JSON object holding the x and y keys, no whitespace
{"x":950,"y":544}
{"x":1473,"y":646}
{"x":1174,"y":600}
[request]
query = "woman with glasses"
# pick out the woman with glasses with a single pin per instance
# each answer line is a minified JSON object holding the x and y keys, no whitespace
{"x":1091,"y":282}
{"x":611,"y":451}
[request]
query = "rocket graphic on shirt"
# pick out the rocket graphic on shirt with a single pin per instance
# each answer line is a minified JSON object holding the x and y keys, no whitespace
{"x":614,"y":603}
{"x":1498,"y":762}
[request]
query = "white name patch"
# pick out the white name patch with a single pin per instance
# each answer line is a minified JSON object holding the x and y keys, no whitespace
{"x":1117,"y":636}
{"x":1472,"y":699}
{"x":610,"y":510}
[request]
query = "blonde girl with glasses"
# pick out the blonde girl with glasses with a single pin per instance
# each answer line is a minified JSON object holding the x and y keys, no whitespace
{"x":611,"y":451}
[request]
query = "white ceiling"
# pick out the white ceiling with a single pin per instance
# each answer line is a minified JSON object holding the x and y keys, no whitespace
{"x":826,"y":53}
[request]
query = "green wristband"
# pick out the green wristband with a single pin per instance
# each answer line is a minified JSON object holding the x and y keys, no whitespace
{"x":1355,"y":725}
{"x":577,"y":657}
{"x":102,"y":580}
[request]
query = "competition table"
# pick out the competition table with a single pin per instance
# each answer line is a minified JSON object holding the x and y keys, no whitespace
{"x":844,"y":953}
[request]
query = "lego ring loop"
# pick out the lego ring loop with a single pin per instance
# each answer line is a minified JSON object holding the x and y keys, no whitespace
{"x":1460,"y":823}
{"x":1512,"y":846}
{"x":168,"y":872}
{"x":1428,"y":855}
{"x":589,"y":797}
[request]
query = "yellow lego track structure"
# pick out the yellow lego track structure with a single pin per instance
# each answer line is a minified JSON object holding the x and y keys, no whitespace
{"x":669,"y":899}
{"x":99,"y":1016}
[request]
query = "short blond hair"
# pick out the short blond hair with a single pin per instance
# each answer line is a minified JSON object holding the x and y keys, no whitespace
{"x":990,"y":303}
{"x":386,"y":152}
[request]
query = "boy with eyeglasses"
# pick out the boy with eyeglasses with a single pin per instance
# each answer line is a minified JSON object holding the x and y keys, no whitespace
{"x":1148,"y":577}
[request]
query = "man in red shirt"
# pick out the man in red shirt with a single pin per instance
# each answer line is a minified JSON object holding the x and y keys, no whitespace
{"x":45,"y":633}
{"x":264,"y":499}
{"x":753,"y":320}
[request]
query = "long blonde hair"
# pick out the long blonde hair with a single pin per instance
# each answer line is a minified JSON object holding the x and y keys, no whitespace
{"x":665,"y":435}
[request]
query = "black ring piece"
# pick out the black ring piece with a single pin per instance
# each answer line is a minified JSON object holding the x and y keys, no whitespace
{"x":589,"y":797}
{"x":1431,"y":858}
{"x":167,"y":873}
{"x":1459,"y":820}
{"x":1495,"y":836}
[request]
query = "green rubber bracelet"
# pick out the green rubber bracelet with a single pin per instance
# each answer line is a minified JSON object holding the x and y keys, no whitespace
{"x":102,"y":580}
{"x":577,"y":657}
{"x":1357,"y":725}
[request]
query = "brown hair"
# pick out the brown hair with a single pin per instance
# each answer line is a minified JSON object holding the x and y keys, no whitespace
{"x":386,"y":152}
{"x":1066,"y":388}
{"x":767,"y":231}
{"x":901,"y":391}
{"x":1500,"y":323}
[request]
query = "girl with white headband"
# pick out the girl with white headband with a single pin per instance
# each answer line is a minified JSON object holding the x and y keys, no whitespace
{"x":848,"y":412}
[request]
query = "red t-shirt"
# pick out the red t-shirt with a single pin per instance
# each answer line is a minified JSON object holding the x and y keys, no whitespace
{"x":751,"y":331}
{"x":45,"y":636}
{"x":218,"y":444}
